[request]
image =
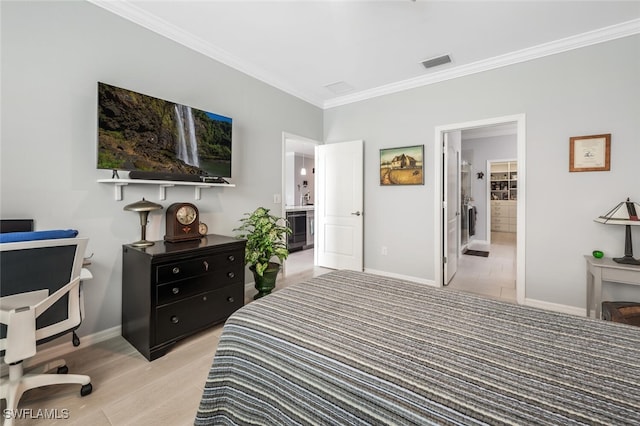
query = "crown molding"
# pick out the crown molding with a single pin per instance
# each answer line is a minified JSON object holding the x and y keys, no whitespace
{"x":135,"y":14}
{"x":601,"y":35}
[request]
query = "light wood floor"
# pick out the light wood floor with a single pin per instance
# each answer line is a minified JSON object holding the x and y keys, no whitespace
{"x":493,"y":276}
{"x":128,"y":389}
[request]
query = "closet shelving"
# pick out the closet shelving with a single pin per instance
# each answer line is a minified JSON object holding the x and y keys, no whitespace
{"x":504,"y":181}
{"x":504,"y":195}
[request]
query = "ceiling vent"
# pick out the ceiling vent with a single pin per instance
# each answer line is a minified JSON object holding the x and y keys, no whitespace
{"x":434,"y":62}
{"x":339,"y":87}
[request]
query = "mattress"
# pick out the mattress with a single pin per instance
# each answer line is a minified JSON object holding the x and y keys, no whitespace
{"x":360,"y":349}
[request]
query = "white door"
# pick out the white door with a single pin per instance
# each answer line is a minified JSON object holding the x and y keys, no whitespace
{"x":451,"y":203}
{"x":339,"y":202}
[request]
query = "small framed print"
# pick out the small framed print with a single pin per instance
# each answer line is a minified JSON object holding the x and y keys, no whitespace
{"x":590,"y":153}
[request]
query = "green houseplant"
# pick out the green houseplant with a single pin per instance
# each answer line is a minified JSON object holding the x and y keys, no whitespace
{"x":266,"y":237}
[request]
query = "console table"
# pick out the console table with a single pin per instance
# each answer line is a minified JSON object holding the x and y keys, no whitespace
{"x":606,"y":269}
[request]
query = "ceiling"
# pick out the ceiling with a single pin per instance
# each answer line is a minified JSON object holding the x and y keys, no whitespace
{"x":370,"y":48}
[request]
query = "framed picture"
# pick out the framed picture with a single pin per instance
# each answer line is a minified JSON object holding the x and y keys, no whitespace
{"x":590,"y":153}
{"x":402,"y":166}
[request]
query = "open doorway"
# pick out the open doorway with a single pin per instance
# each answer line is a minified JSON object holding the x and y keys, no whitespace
{"x":473,"y":206}
{"x":298,"y":203}
{"x":487,"y":262}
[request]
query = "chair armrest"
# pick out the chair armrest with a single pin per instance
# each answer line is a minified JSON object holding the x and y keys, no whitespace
{"x":18,"y":313}
{"x":85,"y":274}
{"x":46,"y":303}
{"x":20,"y":300}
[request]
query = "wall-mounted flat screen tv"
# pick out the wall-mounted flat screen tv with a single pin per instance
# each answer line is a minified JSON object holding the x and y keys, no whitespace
{"x":141,"y":133}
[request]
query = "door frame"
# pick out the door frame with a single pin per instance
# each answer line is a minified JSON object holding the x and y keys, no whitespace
{"x":286,"y":136}
{"x":520,"y":120}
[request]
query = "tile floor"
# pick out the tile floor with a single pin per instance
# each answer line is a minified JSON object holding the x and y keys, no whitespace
{"x":493,"y":276}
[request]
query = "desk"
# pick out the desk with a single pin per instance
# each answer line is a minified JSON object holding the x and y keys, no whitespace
{"x":606,"y":269}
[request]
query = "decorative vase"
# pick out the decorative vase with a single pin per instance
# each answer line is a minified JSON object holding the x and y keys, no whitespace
{"x":267,"y":282}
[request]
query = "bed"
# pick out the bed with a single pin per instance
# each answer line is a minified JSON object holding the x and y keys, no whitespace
{"x":360,"y":349}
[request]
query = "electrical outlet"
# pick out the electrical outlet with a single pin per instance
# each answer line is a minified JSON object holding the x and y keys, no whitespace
{"x":277,"y":199}
{"x":384,"y":250}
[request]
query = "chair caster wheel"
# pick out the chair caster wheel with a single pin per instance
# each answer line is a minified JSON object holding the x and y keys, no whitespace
{"x":63,"y":370}
{"x":86,"y":389}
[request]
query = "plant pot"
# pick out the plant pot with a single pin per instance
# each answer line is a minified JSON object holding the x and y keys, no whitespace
{"x":267,"y":282}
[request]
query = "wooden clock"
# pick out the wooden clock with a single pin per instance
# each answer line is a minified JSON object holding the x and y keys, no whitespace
{"x":183,"y":221}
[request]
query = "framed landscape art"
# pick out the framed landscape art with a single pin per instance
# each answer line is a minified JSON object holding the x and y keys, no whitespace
{"x":402,"y":166}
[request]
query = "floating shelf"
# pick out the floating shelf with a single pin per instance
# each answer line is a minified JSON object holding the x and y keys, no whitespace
{"x":162,"y":186}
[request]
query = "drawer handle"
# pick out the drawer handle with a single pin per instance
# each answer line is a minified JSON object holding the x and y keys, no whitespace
{"x":231,"y":258}
{"x":230,"y":299}
{"x":176,"y":270}
{"x":206,"y":265}
{"x":231,"y":274}
{"x":204,"y":298}
{"x":175,"y":290}
{"x":175,"y":319}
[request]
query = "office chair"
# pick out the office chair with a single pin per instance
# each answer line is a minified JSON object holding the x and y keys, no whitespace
{"x":40,"y":300}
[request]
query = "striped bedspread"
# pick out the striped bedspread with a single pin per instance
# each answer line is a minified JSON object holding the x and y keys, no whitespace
{"x":350,"y":348}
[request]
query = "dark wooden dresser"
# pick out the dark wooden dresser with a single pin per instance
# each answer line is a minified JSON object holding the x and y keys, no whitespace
{"x":173,"y":290}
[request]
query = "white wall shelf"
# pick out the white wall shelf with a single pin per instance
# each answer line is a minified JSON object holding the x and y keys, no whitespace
{"x":162,"y":186}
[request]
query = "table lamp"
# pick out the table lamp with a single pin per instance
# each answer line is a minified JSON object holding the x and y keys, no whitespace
{"x":143,"y":207}
{"x":625,"y":213}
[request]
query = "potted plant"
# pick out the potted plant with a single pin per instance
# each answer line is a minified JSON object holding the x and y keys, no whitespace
{"x":266,"y":237}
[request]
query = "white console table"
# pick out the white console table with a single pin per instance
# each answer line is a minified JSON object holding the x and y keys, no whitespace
{"x":606,"y":269}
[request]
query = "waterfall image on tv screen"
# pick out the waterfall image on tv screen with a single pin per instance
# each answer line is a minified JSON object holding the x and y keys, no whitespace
{"x":143,"y":133}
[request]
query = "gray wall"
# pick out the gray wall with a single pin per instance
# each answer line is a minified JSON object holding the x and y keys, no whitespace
{"x":53,"y":54}
{"x":587,"y":91}
{"x":478,"y":151}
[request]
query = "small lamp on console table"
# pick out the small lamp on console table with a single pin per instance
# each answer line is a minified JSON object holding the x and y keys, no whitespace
{"x":625,"y":213}
{"x":143,"y":207}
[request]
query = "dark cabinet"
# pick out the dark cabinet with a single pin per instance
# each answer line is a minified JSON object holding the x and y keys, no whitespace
{"x":173,"y":290}
{"x":298,"y":224}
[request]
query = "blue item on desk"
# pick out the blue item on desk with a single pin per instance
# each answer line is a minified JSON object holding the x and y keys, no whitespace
{"x":12,"y":237}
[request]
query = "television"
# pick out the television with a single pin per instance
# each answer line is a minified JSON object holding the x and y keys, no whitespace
{"x":153,"y":138}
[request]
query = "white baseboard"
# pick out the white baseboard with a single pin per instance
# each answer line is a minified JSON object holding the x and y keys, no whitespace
{"x":555,"y":307}
{"x":401,"y":277}
{"x":61,"y":346}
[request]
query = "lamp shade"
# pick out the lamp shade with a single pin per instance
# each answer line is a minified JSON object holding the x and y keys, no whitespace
{"x":143,"y":207}
{"x":625,"y":213}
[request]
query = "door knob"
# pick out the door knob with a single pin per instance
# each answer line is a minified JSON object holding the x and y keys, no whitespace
{"x":356,"y":213}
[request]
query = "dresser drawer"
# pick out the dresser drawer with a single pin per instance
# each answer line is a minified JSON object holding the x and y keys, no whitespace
{"x":178,"y":290}
{"x":188,"y":315}
{"x":499,"y":220}
{"x":215,"y":265}
{"x":500,"y":227}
